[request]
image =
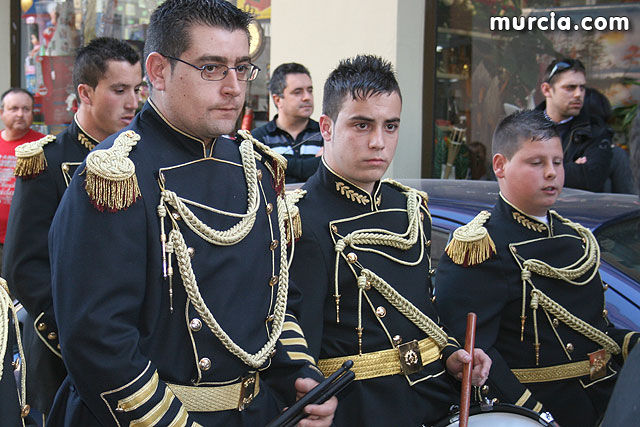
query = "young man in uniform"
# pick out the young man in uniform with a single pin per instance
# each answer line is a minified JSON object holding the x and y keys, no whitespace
{"x":107,"y":76}
{"x":532,"y":278}
{"x":292,"y":132}
{"x":362,"y":262}
{"x":160,"y":320}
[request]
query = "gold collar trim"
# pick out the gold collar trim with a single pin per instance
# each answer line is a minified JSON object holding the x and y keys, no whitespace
{"x":354,"y":193}
{"x":84,"y":137}
{"x":524,"y":219}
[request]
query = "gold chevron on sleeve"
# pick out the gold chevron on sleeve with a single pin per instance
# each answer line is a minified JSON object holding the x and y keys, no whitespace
{"x":294,"y":341}
{"x":523,"y":399}
{"x":141,"y":396}
{"x":157,"y":412}
{"x":292,"y":326}
{"x":181,"y":419}
{"x":298,"y":355}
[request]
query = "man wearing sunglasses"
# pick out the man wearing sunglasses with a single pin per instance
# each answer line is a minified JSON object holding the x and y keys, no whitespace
{"x":587,"y":150}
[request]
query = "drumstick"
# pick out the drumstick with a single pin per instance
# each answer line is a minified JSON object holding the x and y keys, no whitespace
{"x":465,"y":394}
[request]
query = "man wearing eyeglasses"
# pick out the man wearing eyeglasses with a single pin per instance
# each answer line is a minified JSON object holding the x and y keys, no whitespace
{"x":169,"y":255}
{"x":587,"y":150}
{"x":292,"y":132}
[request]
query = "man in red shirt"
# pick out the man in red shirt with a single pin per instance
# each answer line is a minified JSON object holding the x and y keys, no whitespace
{"x":16,"y":112}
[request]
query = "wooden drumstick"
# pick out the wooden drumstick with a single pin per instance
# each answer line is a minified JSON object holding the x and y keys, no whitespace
{"x":465,"y":394}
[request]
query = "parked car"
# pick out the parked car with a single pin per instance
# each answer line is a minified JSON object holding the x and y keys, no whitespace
{"x":614,"y":219}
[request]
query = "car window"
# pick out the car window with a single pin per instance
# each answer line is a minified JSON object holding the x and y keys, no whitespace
{"x":620,"y":246}
{"x":439,"y":240}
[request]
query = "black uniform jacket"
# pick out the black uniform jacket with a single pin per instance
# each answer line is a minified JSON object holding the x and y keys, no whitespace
{"x":26,"y":259}
{"x":493,"y":290}
{"x":332,"y":208}
{"x":120,"y":341}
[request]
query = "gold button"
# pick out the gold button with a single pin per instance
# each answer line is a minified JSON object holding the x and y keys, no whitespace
{"x":205,"y":364}
{"x":570,"y":347}
{"x":495,"y":400}
{"x":273,"y":353}
{"x":484,"y":390}
{"x":605,"y":312}
{"x":195,"y":325}
{"x":381,"y":311}
{"x":397,"y":340}
{"x":605,"y":286}
{"x":273,"y":245}
{"x":428,"y":243}
{"x":259,"y":174}
{"x":52,"y":336}
{"x":65,"y":168}
{"x":273,"y":281}
{"x":351,"y":257}
{"x":24,"y":411}
{"x":269,"y":208}
{"x":175,"y":216}
{"x":367,"y":286}
{"x":191,"y":252}
{"x":42,"y":326}
{"x":556,"y":323}
{"x":334,"y":229}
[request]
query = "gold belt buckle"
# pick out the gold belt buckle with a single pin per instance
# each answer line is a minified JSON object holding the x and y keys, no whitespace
{"x":597,"y":364}
{"x":247,"y":390}
{"x":410,"y":357}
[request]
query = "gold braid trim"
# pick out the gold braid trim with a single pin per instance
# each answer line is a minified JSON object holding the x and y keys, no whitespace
{"x":406,"y":189}
{"x":8,"y":309}
{"x":295,"y":225}
{"x":526,"y":222}
{"x":539,"y":298}
{"x":590,"y":260}
{"x":111,"y":181}
{"x":30,"y":159}
{"x":279,"y":162}
{"x":471,"y":243}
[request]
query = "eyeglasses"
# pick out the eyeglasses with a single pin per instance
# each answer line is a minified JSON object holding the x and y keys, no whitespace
{"x":215,"y":72}
{"x":565,"y":65}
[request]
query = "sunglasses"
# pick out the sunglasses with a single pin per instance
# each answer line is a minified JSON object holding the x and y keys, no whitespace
{"x":561,"y":66}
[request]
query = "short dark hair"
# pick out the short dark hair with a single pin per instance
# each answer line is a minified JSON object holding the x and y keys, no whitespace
{"x":520,"y":127}
{"x":597,"y":104}
{"x":278,"y":80}
{"x":92,"y":60}
{"x":168,"y":32}
{"x":559,"y":66}
{"x":360,"y":77}
{"x":15,"y":90}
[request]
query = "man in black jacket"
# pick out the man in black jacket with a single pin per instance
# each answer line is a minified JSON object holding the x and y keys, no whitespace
{"x":587,"y":153}
{"x":292,"y":132}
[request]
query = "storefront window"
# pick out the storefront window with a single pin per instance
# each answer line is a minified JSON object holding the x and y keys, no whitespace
{"x":52,"y":30}
{"x":484,"y":73}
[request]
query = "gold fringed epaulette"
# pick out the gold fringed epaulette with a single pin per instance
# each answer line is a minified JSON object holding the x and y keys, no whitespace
{"x":111,"y":181}
{"x":406,"y":188}
{"x":30,"y":159}
{"x":278,"y":162}
{"x":291,"y":198}
{"x":471,"y":243}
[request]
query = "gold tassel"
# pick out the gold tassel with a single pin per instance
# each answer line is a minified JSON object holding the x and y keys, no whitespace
{"x":471,"y":243}
{"x":111,"y":181}
{"x":30,"y":158}
{"x":295,"y":226}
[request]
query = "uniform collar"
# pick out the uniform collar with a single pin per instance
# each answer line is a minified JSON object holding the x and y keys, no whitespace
{"x":349,"y":191}
{"x":525,"y":220}
{"x":86,"y":140}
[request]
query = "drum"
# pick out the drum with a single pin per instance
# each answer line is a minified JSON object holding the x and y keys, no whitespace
{"x":500,"y":415}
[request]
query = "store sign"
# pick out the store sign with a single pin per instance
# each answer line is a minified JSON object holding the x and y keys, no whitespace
{"x":261,"y":9}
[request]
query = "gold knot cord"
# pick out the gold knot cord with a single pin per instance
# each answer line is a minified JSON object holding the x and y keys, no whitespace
{"x":111,"y":181}
{"x":471,"y":243}
{"x":30,"y":159}
{"x":279,"y":162}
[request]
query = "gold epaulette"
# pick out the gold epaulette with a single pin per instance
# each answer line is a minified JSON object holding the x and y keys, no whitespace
{"x":30,"y":159}
{"x":291,"y":198}
{"x":406,"y":188}
{"x":278,"y":162}
{"x":111,"y":181}
{"x":471,"y":243}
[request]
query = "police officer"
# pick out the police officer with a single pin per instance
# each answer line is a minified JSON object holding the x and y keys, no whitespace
{"x":169,"y":274}
{"x":107,"y":76}
{"x":531,"y":276}
{"x":362,"y":262}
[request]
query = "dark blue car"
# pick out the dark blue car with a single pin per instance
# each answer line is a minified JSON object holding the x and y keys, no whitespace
{"x":614,"y":219}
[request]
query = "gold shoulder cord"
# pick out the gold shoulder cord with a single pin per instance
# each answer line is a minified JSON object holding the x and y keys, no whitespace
{"x":176,"y":244}
{"x":7,"y":308}
{"x":367,"y":278}
{"x":569,"y":274}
